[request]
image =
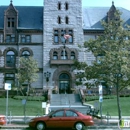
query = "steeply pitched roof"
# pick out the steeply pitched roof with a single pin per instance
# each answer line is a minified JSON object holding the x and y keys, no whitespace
{"x":29,"y":17}
{"x":93,"y":15}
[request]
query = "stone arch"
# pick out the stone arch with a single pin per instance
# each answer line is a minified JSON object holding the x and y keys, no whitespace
{"x":26,"y":49}
{"x":60,"y":70}
{"x":10,"y":49}
{"x":59,"y":50}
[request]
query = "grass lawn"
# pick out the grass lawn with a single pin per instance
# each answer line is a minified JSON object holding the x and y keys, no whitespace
{"x":35,"y":107}
{"x":110,"y":105}
{"x":17,"y":109}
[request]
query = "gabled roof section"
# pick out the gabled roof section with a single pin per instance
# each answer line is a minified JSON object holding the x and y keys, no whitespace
{"x":11,"y":8}
{"x":111,"y":12}
{"x":29,"y":17}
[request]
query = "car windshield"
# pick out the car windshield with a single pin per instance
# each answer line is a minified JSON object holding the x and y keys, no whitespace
{"x":50,"y":113}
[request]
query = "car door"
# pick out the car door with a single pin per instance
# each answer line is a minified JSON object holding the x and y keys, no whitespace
{"x":70,"y":118}
{"x":55,"y":120}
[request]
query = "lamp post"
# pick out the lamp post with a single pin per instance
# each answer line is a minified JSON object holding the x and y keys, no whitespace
{"x":47,"y":75}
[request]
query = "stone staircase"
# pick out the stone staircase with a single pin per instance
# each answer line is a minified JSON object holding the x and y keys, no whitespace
{"x":67,"y":101}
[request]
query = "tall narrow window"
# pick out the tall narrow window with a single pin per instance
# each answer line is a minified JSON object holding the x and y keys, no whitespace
{"x":28,"y":38}
{"x":66,"y":20}
{"x":72,"y":57}
{"x":63,"y":55}
{"x":66,"y":6}
{"x":10,"y":59}
{"x":55,"y":55}
{"x":59,"y":20}
{"x":71,"y":38}
{"x":10,"y":22}
{"x":59,"y":6}
{"x":56,"y":38}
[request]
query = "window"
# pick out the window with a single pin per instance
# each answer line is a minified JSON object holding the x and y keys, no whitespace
{"x":10,"y":38}
{"x":64,"y":55}
{"x":100,"y":58}
{"x":10,"y":78}
{"x":59,"y":20}
{"x":59,"y":6}
{"x":66,"y":6}
{"x":55,"y":55}
{"x":25,"y":38}
{"x":58,"y":114}
{"x":10,"y":59}
{"x":10,"y":22}
{"x":56,"y":37}
{"x":71,"y":113}
{"x":59,"y":36}
{"x":66,"y":20}
{"x":25,"y":54}
{"x":72,"y":57}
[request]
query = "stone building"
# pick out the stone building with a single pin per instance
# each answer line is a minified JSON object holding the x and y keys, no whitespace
{"x":40,"y":31}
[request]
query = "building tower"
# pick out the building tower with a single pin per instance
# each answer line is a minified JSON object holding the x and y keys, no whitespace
{"x":61,"y":18}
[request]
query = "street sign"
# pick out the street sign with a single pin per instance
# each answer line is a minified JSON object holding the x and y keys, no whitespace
{"x":24,"y":101}
{"x":43,"y":104}
{"x":100,"y":98}
{"x":7,"y":86}
{"x":100,"y":89}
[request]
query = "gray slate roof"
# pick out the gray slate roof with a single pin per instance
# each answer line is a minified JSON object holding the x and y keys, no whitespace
{"x":93,"y":15}
{"x":31,"y":17}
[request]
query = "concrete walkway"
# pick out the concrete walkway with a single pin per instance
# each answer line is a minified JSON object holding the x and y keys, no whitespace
{"x":19,"y":124}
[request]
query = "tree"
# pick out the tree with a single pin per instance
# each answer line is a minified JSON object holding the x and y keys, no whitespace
{"x":112,"y":54}
{"x":27,"y":71}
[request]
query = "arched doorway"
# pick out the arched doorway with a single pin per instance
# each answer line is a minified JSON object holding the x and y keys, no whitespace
{"x":64,"y":83}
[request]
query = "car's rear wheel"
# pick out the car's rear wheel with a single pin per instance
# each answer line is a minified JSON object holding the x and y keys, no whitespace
{"x":79,"y":126}
{"x":40,"y":126}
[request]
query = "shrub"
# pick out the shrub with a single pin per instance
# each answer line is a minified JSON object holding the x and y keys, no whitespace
{"x":30,"y":98}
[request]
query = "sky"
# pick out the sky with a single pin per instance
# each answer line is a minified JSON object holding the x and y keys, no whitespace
{"x":89,"y":3}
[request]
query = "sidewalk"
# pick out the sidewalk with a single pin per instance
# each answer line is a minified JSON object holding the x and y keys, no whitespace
{"x":103,"y":124}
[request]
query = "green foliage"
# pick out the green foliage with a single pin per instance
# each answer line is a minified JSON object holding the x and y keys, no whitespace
{"x":30,"y":98}
{"x":27,"y":71}
{"x":112,"y":50}
{"x":92,"y":98}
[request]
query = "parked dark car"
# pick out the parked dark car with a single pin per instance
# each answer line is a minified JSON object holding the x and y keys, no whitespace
{"x":62,"y":118}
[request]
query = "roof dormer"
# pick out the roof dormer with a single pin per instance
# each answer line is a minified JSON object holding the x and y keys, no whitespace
{"x":11,"y":17}
{"x":111,"y":12}
{"x":10,"y":23}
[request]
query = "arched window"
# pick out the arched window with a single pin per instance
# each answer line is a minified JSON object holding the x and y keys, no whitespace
{"x":59,"y":20}
{"x":66,"y":20}
{"x":72,"y":57}
{"x":10,"y":59}
{"x":55,"y":55}
{"x":59,"y":6}
{"x":64,"y":55}
{"x":25,"y":54}
{"x":66,"y":6}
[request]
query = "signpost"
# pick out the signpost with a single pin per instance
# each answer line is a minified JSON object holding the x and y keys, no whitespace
{"x":100,"y":99}
{"x":7,"y":87}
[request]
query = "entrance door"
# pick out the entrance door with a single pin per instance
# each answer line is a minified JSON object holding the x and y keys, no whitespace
{"x":64,"y":83}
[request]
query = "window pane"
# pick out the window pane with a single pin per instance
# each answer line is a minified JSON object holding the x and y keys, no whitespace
{"x":10,"y":59}
{"x":28,"y":39}
{"x":56,"y":39}
{"x":25,"y":54}
{"x":23,"y":40}
{"x":58,"y":114}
